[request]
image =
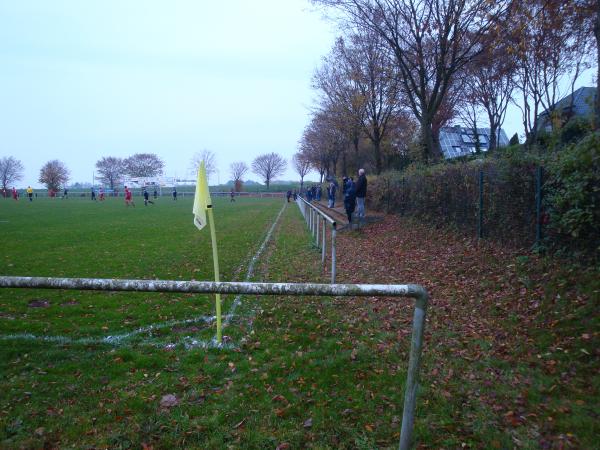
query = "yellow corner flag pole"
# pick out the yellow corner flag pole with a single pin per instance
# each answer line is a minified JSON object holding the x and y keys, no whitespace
{"x":213,"y":237}
{"x":203,"y":205}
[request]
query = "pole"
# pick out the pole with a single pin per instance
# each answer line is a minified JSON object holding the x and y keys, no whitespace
{"x":213,"y":238}
{"x":333,"y":233}
{"x":480,"y":212}
{"x":318,"y":227}
{"x":412,"y":378}
{"x":323,"y":244}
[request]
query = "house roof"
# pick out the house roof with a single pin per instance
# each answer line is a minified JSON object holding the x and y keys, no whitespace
{"x":460,"y":141}
{"x":583,"y":102}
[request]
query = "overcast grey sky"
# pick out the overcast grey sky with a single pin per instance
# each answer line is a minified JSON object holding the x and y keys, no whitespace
{"x":85,"y":79}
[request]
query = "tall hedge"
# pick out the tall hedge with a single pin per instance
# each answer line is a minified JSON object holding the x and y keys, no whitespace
{"x":448,"y":194}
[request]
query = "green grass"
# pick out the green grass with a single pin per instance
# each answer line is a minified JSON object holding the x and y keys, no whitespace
{"x":310,"y":372}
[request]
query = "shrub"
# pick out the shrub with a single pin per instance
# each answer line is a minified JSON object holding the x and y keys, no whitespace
{"x":573,"y":196}
{"x":575,"y":129}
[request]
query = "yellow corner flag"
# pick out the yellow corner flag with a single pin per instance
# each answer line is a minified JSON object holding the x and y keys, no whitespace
{"x":202,"y":198}
{"x":202,"y":206}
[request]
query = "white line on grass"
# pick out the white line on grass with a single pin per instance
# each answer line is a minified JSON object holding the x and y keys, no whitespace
{"x":117,"y":340}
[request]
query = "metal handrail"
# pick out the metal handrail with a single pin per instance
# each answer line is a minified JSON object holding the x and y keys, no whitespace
{"x":312,"y":219}
{"x":329,"y":219}
{"x":310,"y":289}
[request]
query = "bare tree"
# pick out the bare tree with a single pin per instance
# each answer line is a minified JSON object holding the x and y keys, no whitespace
{"x":431,"y":41}
{"x":238,"y":170}
{"x":490,"y":81}
{"x":302,"y":166}
{"x":210,"y":162}
{"x":54,"y":174}
{"x":552,"y":47}
{"x":269,"y":166}
{"x":11,"y":170}
{"x":144,"y":165}
{"x":111,"y":170}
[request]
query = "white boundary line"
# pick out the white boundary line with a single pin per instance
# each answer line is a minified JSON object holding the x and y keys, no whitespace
{"x":189,"y":343}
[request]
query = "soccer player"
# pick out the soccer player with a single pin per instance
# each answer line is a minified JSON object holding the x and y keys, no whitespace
{"x":174,"y":193}
{"x":15,"y":195}
{"x":30,"y":193}
{"x":147,"y":198}
{"x":93,"y":194}
{"x":128,"y":199}
{"x":101,"y":194}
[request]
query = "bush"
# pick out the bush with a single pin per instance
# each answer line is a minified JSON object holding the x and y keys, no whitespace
{"x":573,"y":196}
{"x":574,"y":130}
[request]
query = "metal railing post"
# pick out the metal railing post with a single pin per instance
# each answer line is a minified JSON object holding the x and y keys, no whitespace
{"x":318,"y":229}
{"x":315,"y":218}
{"x":333,"y":263}
{"x":323,"y":244}
{"x":412,"y":378}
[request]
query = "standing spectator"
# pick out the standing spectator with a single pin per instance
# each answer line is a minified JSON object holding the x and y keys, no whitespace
{"x":65,"y":194}
{"x":232,"y":196}
{"x":174,"y":193}
{"x":93,"y":194}
{"x":319,"y":193}
{"x":313,"y":192}
{"x":309,"y":195}
{"x":361,"y":193}
{"x":15,"y":195}
{"x":288,"y":195}
{"x":349,"y":198}
{"x":155,"y":194}
{"x":295,"y":194}
{"x":128,"y":199}
{"x":331,"y":191}
{"x":30,"y":193}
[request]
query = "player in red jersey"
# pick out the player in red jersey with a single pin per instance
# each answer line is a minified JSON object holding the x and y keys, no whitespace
{"x":128,"y":199}
{"x":15,"y":195}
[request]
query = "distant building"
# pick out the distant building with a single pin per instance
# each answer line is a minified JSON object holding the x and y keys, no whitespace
{"x":461,"y":141}
{"x":578,"y":104}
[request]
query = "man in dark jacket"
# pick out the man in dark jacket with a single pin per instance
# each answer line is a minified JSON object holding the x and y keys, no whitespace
{"x":361,"y":193}
{"x":349,"y":198}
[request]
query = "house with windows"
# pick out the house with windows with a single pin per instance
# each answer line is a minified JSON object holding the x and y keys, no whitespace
{"x":460,"y":141}
{"x":578,"y":104}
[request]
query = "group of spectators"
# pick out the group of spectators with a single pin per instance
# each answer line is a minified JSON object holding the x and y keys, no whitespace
{"x":353,"y":192}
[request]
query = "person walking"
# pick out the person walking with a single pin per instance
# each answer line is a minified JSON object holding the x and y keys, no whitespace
{"x":361,"y":193}
{"x":147,"y":198}
{"x":128,"y":198}
{"x":349,"y":198}
{"x":288,"y":195}
{"x":30,"y":193}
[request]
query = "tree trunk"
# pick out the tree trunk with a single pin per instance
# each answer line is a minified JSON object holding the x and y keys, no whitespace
{"x":493,"y":136}
{"x":597,"y":34}
{"x":427,"y":145}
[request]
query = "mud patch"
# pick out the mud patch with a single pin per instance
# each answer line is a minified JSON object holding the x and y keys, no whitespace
{"x":39,"y":303}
